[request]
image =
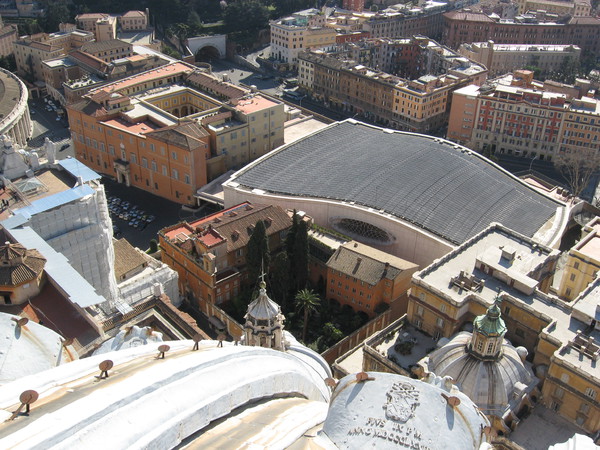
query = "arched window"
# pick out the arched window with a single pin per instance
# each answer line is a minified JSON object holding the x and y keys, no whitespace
{"x":363,"y":231}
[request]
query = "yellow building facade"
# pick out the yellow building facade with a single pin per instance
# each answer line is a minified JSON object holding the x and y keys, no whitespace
{"x":583,"y":262}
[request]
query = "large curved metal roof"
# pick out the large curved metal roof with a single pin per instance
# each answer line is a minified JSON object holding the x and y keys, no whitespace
{"x":432,"y":183}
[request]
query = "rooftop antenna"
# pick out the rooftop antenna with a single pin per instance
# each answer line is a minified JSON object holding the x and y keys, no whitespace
{"x":197,"y":338}
{"x":104,"y":367}
{"x":26,"y":398}
{"x":20,"y":322}
{"x":162,"y":350}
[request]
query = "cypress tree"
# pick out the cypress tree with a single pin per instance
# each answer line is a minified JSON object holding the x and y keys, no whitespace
{"x":257,"y":256}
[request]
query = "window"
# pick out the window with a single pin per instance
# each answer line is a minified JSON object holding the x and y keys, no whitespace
{"x":572,"y":277}
{"x":559,"y":392}
{"x":555,"y":406}
{"x":576,"y":265}
{"x":175,"y":173}
{"x":144,"y":163}
{"x":490,"y":348}
{"x":187,"y":179}
{"x":584,"y":408}
{"x":439,"y":322}
{"x":133,"y":158}
{"x":164,"y":170}
{"x":564,"y":378}
{"x":443,"y":308}
{"x":174,"y":156}
{"x":519,"y":332}
{"x":154,"y":167}
{"x":420,"y":311}
{"x":111,"y":149}
{"x":590,"y":392}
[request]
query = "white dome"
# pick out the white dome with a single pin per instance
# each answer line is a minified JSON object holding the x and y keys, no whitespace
{"x":263,"y":308}
{"x":29,"y":349}
{"x":391,"y":411}
{"x":489,"y":383}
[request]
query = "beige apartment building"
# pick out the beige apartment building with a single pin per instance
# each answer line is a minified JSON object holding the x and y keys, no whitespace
{"x":561,"y":339}
{"x":583,"y":262}
{"x":561,"y":8}
{"x":519,"y":116}
{"x":106,"y":26}
{"x":503,"y":58}
{"x":108,"y":50}
{"x":8,"y":36}
{"x":303,"y":30}
{"x":153,"y":131}
{"x":31,"y":51}
{"x":134,"y":20}
{"x":419,"y":105}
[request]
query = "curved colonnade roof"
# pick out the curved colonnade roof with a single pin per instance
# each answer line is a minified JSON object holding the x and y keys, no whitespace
{"x":10,"y":93}
{"x":429,"y":182}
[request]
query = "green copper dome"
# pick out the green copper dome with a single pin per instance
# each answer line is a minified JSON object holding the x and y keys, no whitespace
{"x":490,"y":323}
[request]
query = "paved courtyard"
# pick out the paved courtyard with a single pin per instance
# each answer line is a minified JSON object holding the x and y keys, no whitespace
{"x":542,"y":429}
{"x":166,"y":212}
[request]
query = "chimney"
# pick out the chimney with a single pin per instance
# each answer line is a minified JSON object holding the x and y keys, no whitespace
{"x":158,"y":290}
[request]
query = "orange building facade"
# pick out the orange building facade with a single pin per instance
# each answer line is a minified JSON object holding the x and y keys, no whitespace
{"x":363,"y":277}
{"x":151,"y":131}
{"x":210,"y":254}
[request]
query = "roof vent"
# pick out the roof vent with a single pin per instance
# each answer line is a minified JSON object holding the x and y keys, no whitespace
{"x":508,"y":253}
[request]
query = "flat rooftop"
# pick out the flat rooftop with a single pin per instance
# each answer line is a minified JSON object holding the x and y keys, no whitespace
{"x":489,"y":248}
{"x":25,"y":190}
{"x":142,"y":127}
{"x":542,"y":429}
{"x":429,"y":182}
{"x":254,"y":104}
{"x":590,"y":247}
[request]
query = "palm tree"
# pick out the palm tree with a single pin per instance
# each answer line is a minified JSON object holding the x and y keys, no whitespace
{"x":307,"y":301}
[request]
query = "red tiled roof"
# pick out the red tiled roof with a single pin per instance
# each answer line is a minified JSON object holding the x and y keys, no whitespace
{"x":90,"y":60}
{"x":19,"y":264}
{"x":173,"y":69}
{"x":210,"y":237}
{"x":51,"y":309}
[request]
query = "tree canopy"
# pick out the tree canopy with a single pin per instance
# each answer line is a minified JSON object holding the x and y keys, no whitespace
{"x":246,"y":15}
{"x":578,"y":165}
{"x":257,"y":256}
{"x":307,"y":302}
